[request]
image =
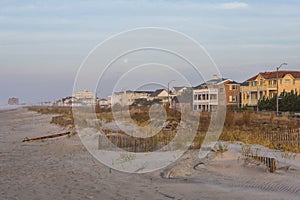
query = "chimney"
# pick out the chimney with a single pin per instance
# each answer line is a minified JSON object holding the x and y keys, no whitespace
{"x":215,"y":77}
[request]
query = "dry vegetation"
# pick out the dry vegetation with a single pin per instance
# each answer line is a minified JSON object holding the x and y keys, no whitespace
{"x":249,"y":127}
{"x":64,"y":114}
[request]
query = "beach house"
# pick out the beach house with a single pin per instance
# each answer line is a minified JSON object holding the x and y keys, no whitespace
{"x":264,"y":84}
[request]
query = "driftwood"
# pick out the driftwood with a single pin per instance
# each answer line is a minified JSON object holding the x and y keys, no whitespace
{"x":46,"y":137}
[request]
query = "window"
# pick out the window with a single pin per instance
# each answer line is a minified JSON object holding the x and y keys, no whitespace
{"x":233,"y":87}
{"x":294,"y":81}
{"x":287,"y":80}
{"x":199,"y":97}
{"x":253,"y":83}
{"x":254,"y":95}
{"x":280,"y":81}
{"x":232,"y":98}
{"x":195,"y":97}
{"x":213,"y":96}
{"x":270,"y":82}
{"x":221,"y":90}
{"x":261,"y":81}
{"x":274,"y":82}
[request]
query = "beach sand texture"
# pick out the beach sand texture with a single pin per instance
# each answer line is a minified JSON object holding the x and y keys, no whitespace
{"x":61,"y":168}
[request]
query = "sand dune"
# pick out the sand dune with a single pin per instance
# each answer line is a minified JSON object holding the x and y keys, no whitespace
{"x":61,"y":168}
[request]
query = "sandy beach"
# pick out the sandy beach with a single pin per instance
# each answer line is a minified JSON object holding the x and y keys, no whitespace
{"x":62,"y":168}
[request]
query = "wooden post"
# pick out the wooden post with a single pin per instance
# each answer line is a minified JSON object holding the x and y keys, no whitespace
{"x":298,"y":139}
{"x":272,"y":165}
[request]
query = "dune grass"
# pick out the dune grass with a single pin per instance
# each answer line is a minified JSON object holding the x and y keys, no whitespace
{"x":248,"y":127}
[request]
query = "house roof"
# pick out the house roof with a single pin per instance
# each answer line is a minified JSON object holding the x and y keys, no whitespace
{"x":140,"y":91}
{"x":273,"y":74}
{"x":200,"y":86}
{"x":214,"y":81}
{"x":122,"y":92}
{"x":178,"y":88}
{"x":233,"y":83}
{"x":245,"y":83}
{"x":131,"y":92}
{"x":156,"y":92}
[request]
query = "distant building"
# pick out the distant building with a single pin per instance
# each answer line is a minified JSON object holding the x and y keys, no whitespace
{"x":85,"y":98}
{"x":177,"y":91}
{"x":122,"y":98}
{"x":84,"y":95}
{"x":69,"y":101}
{"x":207,"y":96}
{"x":139,"y":95}
{"x":103,"y":103}
{"x":13,"y":101}
{"x":128,"y":97}
{"x":161,"y":94}
{"x":264,"y":84}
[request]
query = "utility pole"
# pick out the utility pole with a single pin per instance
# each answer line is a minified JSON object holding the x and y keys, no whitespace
{"x":277,"y":85}
{"x":169,"y":91}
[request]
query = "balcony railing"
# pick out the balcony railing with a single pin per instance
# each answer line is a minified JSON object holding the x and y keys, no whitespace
{"x":250,"y":102}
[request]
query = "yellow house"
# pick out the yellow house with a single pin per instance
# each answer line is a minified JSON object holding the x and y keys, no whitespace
{"x":264,"y":84}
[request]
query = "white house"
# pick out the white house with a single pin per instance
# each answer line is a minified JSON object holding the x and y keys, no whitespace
{"x":177,"y":91}
{"x":207,"y":96}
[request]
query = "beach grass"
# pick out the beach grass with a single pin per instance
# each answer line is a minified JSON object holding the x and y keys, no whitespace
{"x":249,"y":127}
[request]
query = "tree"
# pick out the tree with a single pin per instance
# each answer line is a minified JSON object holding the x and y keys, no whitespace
{"x":287,"y":102}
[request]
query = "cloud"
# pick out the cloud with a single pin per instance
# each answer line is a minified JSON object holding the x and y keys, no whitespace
{"x":232,"y":5}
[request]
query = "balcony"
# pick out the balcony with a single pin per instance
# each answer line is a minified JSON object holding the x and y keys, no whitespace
{"x":250,"y":102}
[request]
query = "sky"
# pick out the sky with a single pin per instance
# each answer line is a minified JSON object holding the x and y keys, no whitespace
{"x":43,"y":43}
